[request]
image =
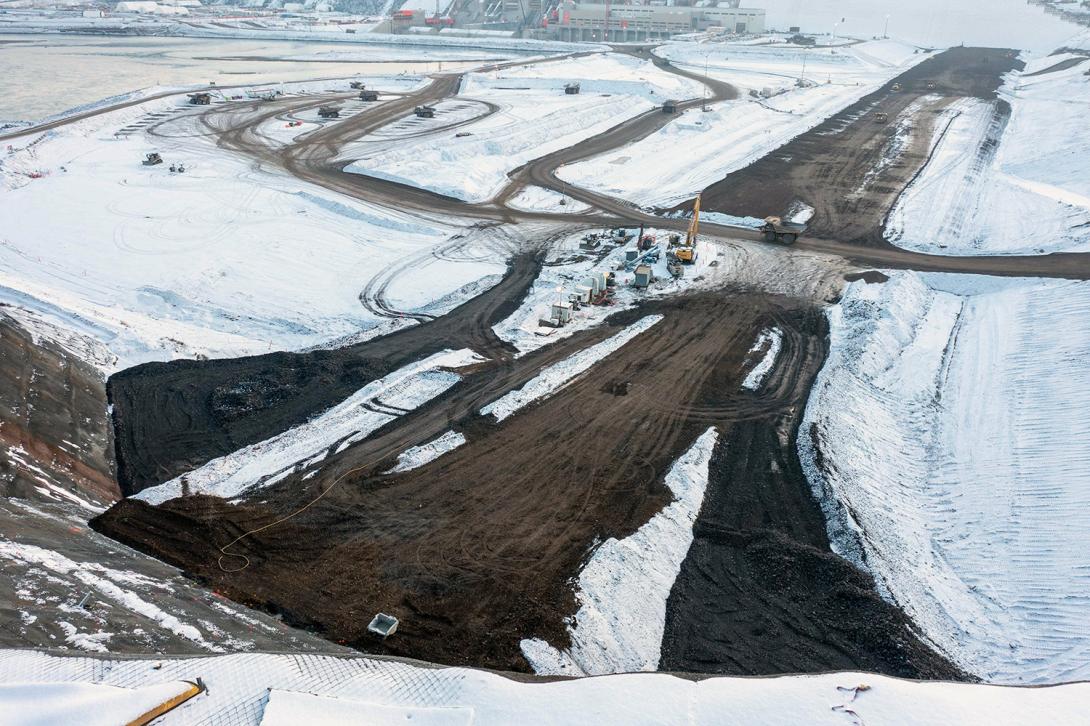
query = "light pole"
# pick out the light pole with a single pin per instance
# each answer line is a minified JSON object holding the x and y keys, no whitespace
{"x":704,"y":101}
{"x":885,"y":33}
{"x":835,"y":26}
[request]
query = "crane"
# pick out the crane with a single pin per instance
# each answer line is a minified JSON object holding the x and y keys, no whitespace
{"x":687,"y":253}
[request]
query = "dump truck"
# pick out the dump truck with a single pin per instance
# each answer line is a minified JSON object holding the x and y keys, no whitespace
{"x":776,"y":230}
{"x":368,"y":95}
{"x":329,"y":112}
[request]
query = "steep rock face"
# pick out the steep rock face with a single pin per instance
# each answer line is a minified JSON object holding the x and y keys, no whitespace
{"x":55,"y":435}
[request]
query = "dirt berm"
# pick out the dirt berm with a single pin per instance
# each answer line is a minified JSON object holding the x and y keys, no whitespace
{"x":478,"y":549}
{"x":852,"y":167}
{"x":170,"y":418}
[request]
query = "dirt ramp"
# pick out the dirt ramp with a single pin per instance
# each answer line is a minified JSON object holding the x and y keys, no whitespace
{"x":851,"y":168}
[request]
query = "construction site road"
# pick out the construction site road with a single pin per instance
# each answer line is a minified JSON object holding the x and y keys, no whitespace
{"x":313,"y":157}
{"x":852,"y":167}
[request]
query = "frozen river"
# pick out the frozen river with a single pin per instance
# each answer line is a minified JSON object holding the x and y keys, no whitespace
{"x":46,"y":74}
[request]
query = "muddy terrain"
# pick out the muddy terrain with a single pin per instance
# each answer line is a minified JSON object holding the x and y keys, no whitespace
{"x":760,"y":591}
{"x":478,"y":549}
{"x":852,"y":167}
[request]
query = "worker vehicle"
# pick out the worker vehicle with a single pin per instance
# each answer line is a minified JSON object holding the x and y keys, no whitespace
{"x":776,"y":230}
{"x":686,"y":254}
{"x":152,"y":159}
{"x":881,"y":117}
{"x":896,"y":86}
{"x":931,"y":85}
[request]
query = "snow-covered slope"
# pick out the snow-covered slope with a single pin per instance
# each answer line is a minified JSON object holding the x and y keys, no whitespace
{"x":623,"y":588}
{"x":247,"y":690}
{"x":1006,"y":186}
{"x":948,"y":437}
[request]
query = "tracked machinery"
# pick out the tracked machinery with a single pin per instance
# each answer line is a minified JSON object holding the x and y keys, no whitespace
{"x":686,"y":254}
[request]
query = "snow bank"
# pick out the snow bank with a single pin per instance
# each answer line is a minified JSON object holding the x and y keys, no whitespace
{"x":372,"y":691}
{"x":552,"y":379}
{"x":417,"y":456}
{"x":770,"y":340}
{"x":623,"y":588}
{"x":354,"y":419}
{"x":88,"y":704}
{"x":999,"y":185}
{"x":947,"y":438}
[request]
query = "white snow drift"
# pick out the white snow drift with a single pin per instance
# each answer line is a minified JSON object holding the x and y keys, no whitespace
{"x":623,"y":588}
{"x":953,"y":425}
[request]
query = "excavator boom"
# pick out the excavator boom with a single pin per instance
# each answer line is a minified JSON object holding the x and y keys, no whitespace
{"x":694,"y":226}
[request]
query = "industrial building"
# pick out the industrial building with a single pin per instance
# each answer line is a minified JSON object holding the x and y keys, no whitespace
{"x":592,"y":21}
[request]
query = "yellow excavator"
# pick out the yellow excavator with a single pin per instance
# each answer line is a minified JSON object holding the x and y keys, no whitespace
{"x":686,"y":254}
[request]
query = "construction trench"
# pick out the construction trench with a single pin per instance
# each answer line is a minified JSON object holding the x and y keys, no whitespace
{"x":478,"y":549}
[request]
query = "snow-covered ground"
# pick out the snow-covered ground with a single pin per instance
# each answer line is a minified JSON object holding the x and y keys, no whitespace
{"x":539,"y":199}
{"x":952,"y":432}
{"x":354,"y":419}
{"x":534,"y":117}
{"x":553,"y":378}
{"x":999,"y":186}
{"x":90,"y":704}
{"x":223,"y":260}
{"x":623,"y":588}
{"x":247,"y":690}
{"x":700,"y":148}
